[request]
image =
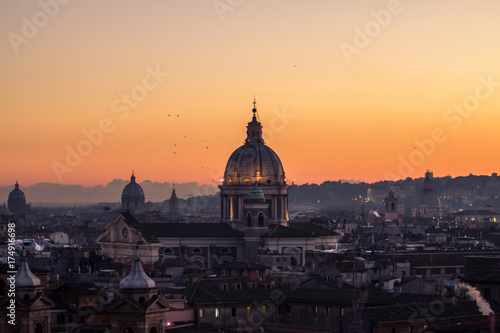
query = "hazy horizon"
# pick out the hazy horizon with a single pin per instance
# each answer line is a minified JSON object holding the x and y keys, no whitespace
{"x":55,"y":193}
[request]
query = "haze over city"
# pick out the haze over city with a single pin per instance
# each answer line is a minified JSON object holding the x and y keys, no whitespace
{"x":363,"y":90}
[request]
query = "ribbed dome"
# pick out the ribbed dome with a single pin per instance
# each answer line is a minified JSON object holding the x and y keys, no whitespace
{"x":24,"y":276}
{"x":133,"y":190}
{"x":254,"y":162}
{"x":137,"y":278}
{"x":16,"y":195}
{"x":427,"y":197}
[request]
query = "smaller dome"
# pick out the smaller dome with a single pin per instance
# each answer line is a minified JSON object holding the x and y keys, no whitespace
{"x":256,"y":193}
{"x":24,"y":276}
{"x":137,"y":278}
{"x":16,"y":195}
{"x":133,"y":190}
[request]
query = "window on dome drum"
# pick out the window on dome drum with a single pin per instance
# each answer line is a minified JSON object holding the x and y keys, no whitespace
{"x":261,"y":219}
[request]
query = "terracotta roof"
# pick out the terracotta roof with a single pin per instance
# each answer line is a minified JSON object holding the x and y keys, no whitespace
{"x":152,"y":231}
{"x":299,"y":230}
{"x":241,"y":265}
{"x":210,"y":292}
{"x":81,"y":288}
{"x":396,"y":313}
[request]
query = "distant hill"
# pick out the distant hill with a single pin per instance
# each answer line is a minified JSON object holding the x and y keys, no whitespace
{"x":456,"y":193}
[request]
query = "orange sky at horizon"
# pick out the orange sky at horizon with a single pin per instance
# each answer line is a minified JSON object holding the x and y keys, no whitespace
{"x":368,"y":115}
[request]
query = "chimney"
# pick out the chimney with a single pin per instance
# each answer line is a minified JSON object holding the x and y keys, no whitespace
{"x":363,"y":296}
{"x":339,"y":281}
{"x":397,"y":289}
{"x":491,"y":321}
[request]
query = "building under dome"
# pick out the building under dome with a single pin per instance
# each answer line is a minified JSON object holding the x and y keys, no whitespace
{"x":17,"y":201}
{"x":254,"y":163}
{"x":428,"y":203}
{"x":132,"y":196}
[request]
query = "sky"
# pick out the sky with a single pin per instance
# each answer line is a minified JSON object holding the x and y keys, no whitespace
{"x":362,"y":90}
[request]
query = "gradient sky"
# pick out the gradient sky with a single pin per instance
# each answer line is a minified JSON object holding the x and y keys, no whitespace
{"x":348,"y":116}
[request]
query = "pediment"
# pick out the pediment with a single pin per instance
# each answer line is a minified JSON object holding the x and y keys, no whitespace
{"x":124,"y":305}
{"x":42,"y":302}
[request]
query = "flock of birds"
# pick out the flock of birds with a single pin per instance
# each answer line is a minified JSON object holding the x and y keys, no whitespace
{"x":175,"y":152}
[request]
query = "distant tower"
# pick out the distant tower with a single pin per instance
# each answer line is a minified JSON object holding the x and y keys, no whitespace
{"x":132,"y":196}
{"x":428,"y":203}
{"x":251,"y":164}
{"x":393,"y":207}
{"x":17,"y":201}
{"x":173,"y":204}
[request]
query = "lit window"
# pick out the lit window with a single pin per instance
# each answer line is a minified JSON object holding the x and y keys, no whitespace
{"x":249,"y":310}
{"x":202,"y":313}
{"x":217,"y":312}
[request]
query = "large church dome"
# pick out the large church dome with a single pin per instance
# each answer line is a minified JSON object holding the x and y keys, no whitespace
{"x":132,"y":195}
{"x":17,"y":201}
{"x":254,"y":162}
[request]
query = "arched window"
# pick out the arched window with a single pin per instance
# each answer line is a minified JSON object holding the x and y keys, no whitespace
{"x":261,"y":219}
{"x":196,"y":250}
{"x":38,"y":328}
{"x":393,"y":206}
{"x":153,"y":330}
{"x":225,"y":250}
{"x":249,"y":220}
